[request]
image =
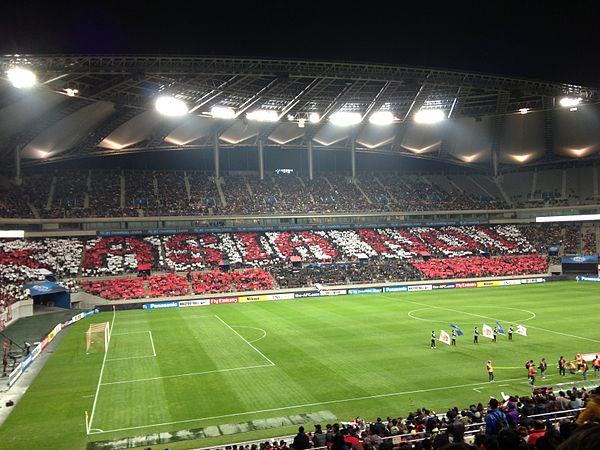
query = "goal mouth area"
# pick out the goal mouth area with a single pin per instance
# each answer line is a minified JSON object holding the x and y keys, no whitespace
{"x":97,"y":337}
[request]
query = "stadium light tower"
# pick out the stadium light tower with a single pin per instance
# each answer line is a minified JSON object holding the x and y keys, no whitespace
{"x":345,"y":118}
{"x":222,"y":112}
{"x":263,"y":115}
{"x":381,"y":118}
{"x":570,"y":102}
{"x":171,"y":106}
{"x":21,"y":78}
{"x":429,"y":116}
{"x":314,"y":117}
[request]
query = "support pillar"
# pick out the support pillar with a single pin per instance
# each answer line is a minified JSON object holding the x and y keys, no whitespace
{"x":216,"y":157}
{"x":261,"y":160}
{"x":353,"y":157}
{"x":310,"y":160}
{"x":18,"y":165}
{"x":495,"y":163}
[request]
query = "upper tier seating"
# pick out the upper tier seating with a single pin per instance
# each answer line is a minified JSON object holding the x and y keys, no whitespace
{"x":166,"y":193}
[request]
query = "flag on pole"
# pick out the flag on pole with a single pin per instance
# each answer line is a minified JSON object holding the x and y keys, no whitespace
{"x":487,"y":331}
{"x":500,"y":329}
{"x":458,"y":330}
{"x":445,"y":337}
{"x":521,"y":330}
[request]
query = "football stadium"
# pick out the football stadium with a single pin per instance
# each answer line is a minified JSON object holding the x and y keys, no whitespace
{"x":245,"y":253}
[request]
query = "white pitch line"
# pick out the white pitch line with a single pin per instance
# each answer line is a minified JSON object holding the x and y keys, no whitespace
{"x":152,"y":342}
{"x":246,"y":341}
{"x":130,"y":357}
{"x":191,"y":374}
{"x":130,"y":332}
{"x":307,"y":405}
{"x":493,"y":318}
{"x":254,"y":328}
{"x":101,"y":373}
{"x":477,"y":390}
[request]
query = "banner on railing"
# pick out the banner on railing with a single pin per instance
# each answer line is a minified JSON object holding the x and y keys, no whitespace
{"x":420,"y":287}
{"x":395,"y":289}
{"x":584,"y":278}
{"x":252,"y":298}
{"x":161,"y":305}
{"x":187,"y":303}
{"x":488,"y":283}
{"x":307,"y":294}
{"x":466,"y":284}
{"x":364,"y":291}
{"x":334,"y":292}
{"x":223,"y":301}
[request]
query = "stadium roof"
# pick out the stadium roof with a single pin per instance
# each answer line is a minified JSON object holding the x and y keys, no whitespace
{"x":104,"y":105}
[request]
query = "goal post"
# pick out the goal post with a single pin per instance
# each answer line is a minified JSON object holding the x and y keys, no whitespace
{"x":97,"y":337}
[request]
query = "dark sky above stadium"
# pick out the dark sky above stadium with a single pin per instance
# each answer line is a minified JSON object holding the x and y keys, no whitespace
{"x":559,"y":43}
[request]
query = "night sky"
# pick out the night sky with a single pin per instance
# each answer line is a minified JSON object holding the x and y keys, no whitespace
{"x":557,"y":43}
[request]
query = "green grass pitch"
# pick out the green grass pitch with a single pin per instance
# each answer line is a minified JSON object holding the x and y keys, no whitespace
{"x":367,"y":355}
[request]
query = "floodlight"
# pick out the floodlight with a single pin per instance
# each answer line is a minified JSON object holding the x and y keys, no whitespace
{"x":381,"y":118}
{"x":263,"y":115}
{"x":569,"y":102}
{"x":521,"y":158}
{"x":314,"y":117}
{"x":345,"y":118}
{"x":171,"y":106}
{"x":429,"y":116}
{"x":524,"y":110}
{"x":470,"y":158}
{"x":21,"y":78}
{"x":222,"y":112}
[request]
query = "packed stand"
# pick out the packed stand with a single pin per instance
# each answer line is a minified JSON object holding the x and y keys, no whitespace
{"x":238,"y":198}
{"x":36,"y":188}
{"x":572,"y":239}
{"x":590,"y":246}
{"x":295,"y":197}
{"x":542,"y":236}
{"x":246,"y":194}
{"x":116,"y":255}
{"x":542,"y":421}
{"x":22,"y":261}
{"x":69,"y":195}
{"x":115,"y":288}
{"x":172,"y":196}
{"x":139,"y":190}
{"x":13,"y":204}
{"x":105,"y":196}
{"x":204,"y":195}
{"x":376,"y":192}
{"x":482,"y":267}
{"x":291,"y":258}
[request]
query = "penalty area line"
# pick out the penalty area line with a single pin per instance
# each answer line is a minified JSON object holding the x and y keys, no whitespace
{"x":191,"y":374}
{"x":307,"y":405}
{"x":246,"y":341}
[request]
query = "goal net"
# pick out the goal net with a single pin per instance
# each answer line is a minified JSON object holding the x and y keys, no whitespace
{"x":97,"y":337}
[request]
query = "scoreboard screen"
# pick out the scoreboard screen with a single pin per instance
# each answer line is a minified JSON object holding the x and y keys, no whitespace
{"x":580,"y":264}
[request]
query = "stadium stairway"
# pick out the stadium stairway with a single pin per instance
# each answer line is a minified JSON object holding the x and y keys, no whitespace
{"x":357,"y":184}
{"x":218,"y":182}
